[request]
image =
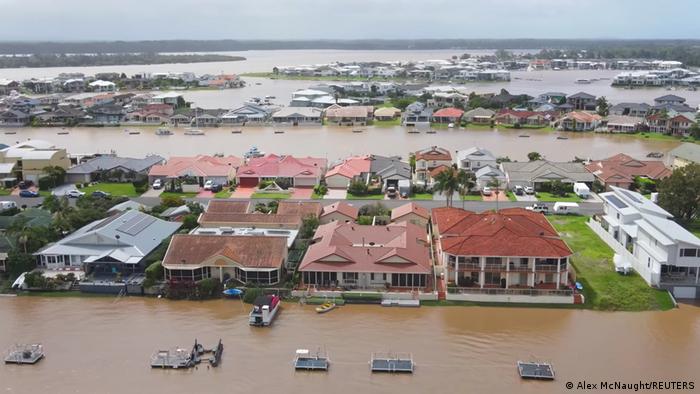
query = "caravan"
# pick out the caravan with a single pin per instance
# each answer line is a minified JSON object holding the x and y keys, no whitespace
{"x":582,"y":190}
{"x":565,"y":208}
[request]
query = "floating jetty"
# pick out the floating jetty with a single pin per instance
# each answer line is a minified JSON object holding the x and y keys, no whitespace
{"x":303,"y":360}
{"x":25,"y":354}
{"x":402,"y":303}
{"x":392,"y":362}
{"x":531,"y":370}
{"x":182,"y":358}
{"x":358,"y":131}
{"x":279,"y":131}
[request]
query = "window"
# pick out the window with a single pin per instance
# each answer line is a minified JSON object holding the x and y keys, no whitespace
{"x":689,"y":252}
{"x":371,"y":276}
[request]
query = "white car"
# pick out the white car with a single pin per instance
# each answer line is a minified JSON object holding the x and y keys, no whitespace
{"x":529,"y":190}
{"x":208,"y":184}
{"x":157,"y":184}
{"x":74,"y":193}
{"x":486,"y":191}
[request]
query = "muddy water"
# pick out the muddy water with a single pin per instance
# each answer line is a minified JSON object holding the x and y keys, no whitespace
{"x":101,"y":346}
{"x":336,"y":143}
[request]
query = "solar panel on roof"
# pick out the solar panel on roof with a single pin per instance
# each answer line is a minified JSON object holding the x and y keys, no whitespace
{"x":137,"y":226}
{"x":630,"y":196}
{"x":616,"y":201}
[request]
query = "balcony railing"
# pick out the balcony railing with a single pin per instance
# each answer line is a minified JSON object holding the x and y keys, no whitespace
{"x":500,"y":291}
{"x":545,"y":268}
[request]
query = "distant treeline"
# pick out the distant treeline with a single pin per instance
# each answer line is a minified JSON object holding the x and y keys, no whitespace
{"x":101,"y":59}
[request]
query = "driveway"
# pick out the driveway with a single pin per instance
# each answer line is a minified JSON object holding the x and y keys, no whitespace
{"x":63,"y":189}
{"x":501,"y":197}
{"x":152,"y":193}
{"x":243,"y":192}
{"x":526,"y":198}
{"x":302,"y":193}
{"x":336,"y":194}
{"x":205,"y":194}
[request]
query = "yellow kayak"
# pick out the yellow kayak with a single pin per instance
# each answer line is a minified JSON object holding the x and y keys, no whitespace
{"x":328,"y":306}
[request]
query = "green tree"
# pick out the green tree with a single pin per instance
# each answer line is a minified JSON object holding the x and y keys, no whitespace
{"x":412,"y":162}
{"x":467,"y":181}
{"x":558,"y":188}
{"x":447,"y":183}
{"x":534,"y":156}
{"x":357,"y":188}
{"x":18,"y":262}
{"x":496,"y":185}
{"x":602,"y":106}
{"x":172,"y":201}
{"x":679,"y":193}
{"x":309,"y":224}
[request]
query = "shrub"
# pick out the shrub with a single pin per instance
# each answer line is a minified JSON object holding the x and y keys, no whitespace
{"x":208,"y":288}
{"x":251,"y":294}
{"x":154,"y":271}
{"x":172,"y":201}
{"x":357,"y":188}
{"x":321,"y":190}
{"x":189,"y":222}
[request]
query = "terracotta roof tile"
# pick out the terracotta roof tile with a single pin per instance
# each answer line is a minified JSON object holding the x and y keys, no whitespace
{"x":342,"y":208}
{"x":409,"y":208}
{"x":247,"y":251}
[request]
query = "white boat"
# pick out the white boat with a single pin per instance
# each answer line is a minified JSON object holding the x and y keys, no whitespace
{"x":163,"y":131}
{"x":583,"y":81}
{"x":194,"y":132}
{"x":264,"y":310}
{"x":253,"y":152}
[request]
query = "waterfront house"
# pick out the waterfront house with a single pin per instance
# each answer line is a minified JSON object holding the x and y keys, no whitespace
{"x":112,"y":168}
{"x":447,"y":115}
{"x":31,"y":157}
{"x":179,"y":119}
{"x":203,"y":168}
{"x":673,"y":123}
{"x":539,"y":172}
{"x":638,"y":110}
{"x":358,"y":115}
{"x":417,"y":114}
{"x":296,"y":171}
{"x":669,"y":99}
{"x":173,"y":98}
{"x":248,"y":259}
{"x":102,"y":86}
{"x":429,"y":159}
{"x":582,"y":101}
{"x":479,"y":116}
{"x":339,"y":211}
{"x":412,"y":213}
{"x":624,"y":124}
{"x":13,"y":118}
{"x":105,"y":114}
{"x":119,"y":243}
{"x":472,"y":159}
{"x":63,"y":115}
{"x":246,"y":114}
{"x":387,"y":113}
{"x":348,"y":255}
{"x":352,"y":168}
{"x":524,"y":118}
{"x":621,"y":169}
{"x":646,"y":239}
{"x":7,"y":86}
{"x":513,"y":255}
{"x":580,"y":121}
{"x":298,"y":116}
{"x":686,"y":153}
{"x":442,"y":99}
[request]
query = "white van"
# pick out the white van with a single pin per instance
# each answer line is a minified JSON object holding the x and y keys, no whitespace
{"x":566,"y":208}
{"x":581,"y":190}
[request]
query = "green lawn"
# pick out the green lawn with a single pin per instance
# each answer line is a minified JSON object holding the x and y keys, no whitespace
{"x":479,"y":126}
{"x":351,"y":196}
{"x":526,"y":128}
{"x":604,"y":288}
{"x":472,"y":197}
{"x":115,"y":189}
{"x":223,"y":194}
{"x":5,"y":192}
{"x":271,"y":196}
{"x":511,"y":196}
{"x":549,"y":197}
{"x":315,"y":196}
{"x":181,"y":195}
{"x":661,"y":137}
{"x":387,"y":123}
{"x":422,"y":196}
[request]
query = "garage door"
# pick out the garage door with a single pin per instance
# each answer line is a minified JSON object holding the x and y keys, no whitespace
{"x":248,"y":182}
{"x":684,"y":292}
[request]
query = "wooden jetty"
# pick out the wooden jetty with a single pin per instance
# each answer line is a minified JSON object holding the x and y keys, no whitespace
{"x":303,"y":360}
{"x":182,"y":358}
{"x":392,"y":362}
{"x":534,"y":370}
{"x":25,"y":354}
{"x":401,"y":303}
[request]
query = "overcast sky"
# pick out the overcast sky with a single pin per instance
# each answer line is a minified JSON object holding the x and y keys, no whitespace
{"x":87,"y":20}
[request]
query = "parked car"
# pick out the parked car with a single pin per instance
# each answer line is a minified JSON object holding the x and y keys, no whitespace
{"x":24,"y":185}
{"x":28,"y":193}
{"x":215,"y":188}
{"x":541,"y":208}
{"x":74,"y":193}
{"x":157,"y":184}
{"x":391,"y":192}
{"x":519,"y":190}
{"x":101,"y":194}
{"x":7,"y":205}
{"x":487,"y":191}
{"x":208,"y":184}
{"x":529,"y":190}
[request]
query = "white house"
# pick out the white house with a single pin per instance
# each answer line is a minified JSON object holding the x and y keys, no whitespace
{"x":475,"y":158}
{"x":646,"y":239}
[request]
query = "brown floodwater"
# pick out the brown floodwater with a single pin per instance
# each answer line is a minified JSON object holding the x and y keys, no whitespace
{"x":336,"y":143}
{"x":99,"y":345}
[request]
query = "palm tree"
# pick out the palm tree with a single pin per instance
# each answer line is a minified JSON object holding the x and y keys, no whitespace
{"x":466,"y":181}
{"x":447,"y":183}
{"x":496,"y":184}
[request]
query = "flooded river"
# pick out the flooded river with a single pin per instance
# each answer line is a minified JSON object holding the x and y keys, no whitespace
{"x":97,"y":345}
{"x":336,"y":143}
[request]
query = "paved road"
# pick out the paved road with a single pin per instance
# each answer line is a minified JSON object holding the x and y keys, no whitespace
{"x":587,"y":208}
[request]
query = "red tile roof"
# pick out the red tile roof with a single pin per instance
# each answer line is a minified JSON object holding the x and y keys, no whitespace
{"x":513,"y":232}
{"x":409,"y":208}
{"x":201,"y":165}
{"x":283,"y":166}
{"x":349,"y":247}
{"x":434,"y":153}
{"x":351,"y":167}
{"x":448,"y":113}
{"x":228,"y":206}
{"x":341,"y":207}
{"x":622,"y":167}
{"x":437,"y":170}
{"x":246,"y":251}
{"x":300,"y":208}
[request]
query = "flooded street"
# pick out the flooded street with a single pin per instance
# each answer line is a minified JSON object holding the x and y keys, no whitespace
{"x":336,"y":143}
{"x":99,"y":345}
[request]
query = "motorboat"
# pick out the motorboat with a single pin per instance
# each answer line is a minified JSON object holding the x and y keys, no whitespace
{"x":253,"y":152}
{"x":163,"y":131}
{"x":264,"y":311}
{"x":326,"y":307}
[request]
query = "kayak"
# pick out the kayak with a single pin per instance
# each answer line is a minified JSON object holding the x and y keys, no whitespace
{"x":327,"y":307}
{"x":233,"y":292}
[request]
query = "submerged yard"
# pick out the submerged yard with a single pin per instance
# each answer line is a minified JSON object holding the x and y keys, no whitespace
{"x":604,"y":288}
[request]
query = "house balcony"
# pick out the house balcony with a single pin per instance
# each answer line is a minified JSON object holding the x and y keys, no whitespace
{"x":545,"y":268}
{"x":679,"y":279}
{"x":511,"y":291}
